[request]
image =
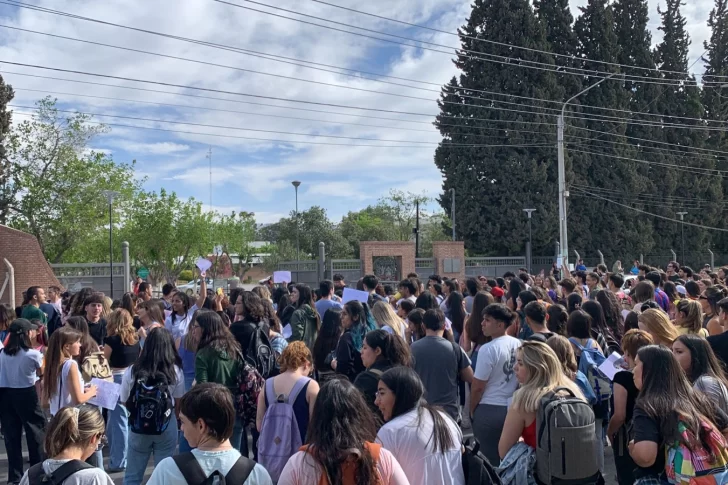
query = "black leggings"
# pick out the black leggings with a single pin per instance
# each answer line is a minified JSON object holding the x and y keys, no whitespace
{"x":20,"y":409}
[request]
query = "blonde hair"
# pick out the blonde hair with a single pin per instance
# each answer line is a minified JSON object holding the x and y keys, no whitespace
{"x":384,"y":315}
{"x":693,"y":311}
{"x":106,"y":307}
{"x":565,"y":353}
{"x":122,"y":324}
{"x":659,"y":326}
{"x":73,"y":426}
{"x":545,"y":375}
{"x":262,"y":292}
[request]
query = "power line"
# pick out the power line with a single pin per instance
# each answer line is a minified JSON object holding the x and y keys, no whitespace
{"x":649,"y":150}
{"x":657,"y":197}
{"x":506,"y":60}
{"x":691,"y":170}
{"x":289,"y":142}
{"x":138,"y":118}
{"x":502,"y":44}
{"x":654,"y":215}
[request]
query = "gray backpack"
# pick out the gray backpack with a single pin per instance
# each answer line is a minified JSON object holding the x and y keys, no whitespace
{"x":566,"y":447}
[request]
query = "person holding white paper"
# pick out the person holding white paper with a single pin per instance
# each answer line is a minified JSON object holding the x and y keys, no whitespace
{"x":178,"y":322}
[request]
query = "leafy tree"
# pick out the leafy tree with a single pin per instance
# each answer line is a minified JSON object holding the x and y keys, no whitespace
{"x":56,"y":185}
{"x":167,"y":234}
{"x":233,"y":234}
{"x":314,"y":227}
{"x":6,"y":95}
{"x":515,"y":168}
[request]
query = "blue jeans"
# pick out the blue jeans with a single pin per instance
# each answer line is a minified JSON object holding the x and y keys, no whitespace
{"x":184,"y":446}
{"x":117,"y":432}
{"x":142,"y":446}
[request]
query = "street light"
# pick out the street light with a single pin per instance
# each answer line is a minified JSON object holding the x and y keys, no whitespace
{"x":563,"y":193}
{"x":110,"y":196}
{"x":528,"y":253}
{"x":682,"y":225}
{"x":453,"y":214}
{"x":296,"y":184}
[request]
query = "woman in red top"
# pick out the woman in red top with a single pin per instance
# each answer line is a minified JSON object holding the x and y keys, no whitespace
{"x":539,"y":372}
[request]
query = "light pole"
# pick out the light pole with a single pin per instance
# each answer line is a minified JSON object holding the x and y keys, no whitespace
{"x":563,"y":193}
{"x":453,"y":213}
{"x":682,"y":226}
{"x":110,"y":196}
{"x":528,"y":253}
{"x":296,"y":184}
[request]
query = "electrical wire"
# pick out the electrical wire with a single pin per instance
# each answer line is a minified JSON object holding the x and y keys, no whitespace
{"x":340,"y":137}
{"x":669,"y":198}
{"x":648,"y":150}
{"x":680,"y":168}
{"x":653,"y":214}
{"x":502,"y":44}
{"x":289,"y":142}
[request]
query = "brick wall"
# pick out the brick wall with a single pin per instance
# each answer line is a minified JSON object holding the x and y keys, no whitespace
{"x":401,"y":249}
{"x":442,"y":250}
{"x":31,"y":267}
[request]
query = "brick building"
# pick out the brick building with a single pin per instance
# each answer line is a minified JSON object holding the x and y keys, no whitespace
{"x":31,"y":268}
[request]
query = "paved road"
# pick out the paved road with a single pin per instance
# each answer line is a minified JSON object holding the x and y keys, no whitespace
{"x":119,"y":477}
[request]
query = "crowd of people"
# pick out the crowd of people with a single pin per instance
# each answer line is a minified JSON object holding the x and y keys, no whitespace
{"x":293,"y":385}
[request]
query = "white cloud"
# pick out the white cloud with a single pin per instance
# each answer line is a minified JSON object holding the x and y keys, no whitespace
{"x":161,"y":148}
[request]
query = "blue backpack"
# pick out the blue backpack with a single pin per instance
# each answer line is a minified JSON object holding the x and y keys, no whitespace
{"x":280,"y":436}
{"x":591,"y":359}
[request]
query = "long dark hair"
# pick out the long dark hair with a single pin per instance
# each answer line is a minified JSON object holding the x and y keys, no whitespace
{"x":573,"y":302}
{"x":128,"y":303}
{"x":158,"y":357}
{"x":667,"y":396}
{"x":612,"y":312}
{"x":305,"y":297}
{"x":515,"y":287}
{"x":457,"y":312}
{"x":702,"y":359}
{"x":427,"y":300}
{"x":392,"y":346}
{"x":340,"y":425}
{"x":215,"y":334}
{"x":474,"y":323}
{"x":416,"y":319}
{"x":713,"y":294}
{"x":88,"y":344}
{"x":75,"y":303}
{"x":599,"y":323}
{"x":185,"y":299}
{"x":269,"y":314}
{"x":557,"y":318}
{"x":361,"y":321}
{"x":327,"y":337}
{"x":409,"y":393}
{"x":670,"y":290}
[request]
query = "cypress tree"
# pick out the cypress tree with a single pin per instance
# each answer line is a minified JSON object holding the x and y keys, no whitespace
{"x":494,"y":184}
{"x":7,"y":190}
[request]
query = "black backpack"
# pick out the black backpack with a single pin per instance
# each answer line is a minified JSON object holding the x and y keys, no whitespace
{"x":259,"y":353}
{"x":477,"y":468}
{"x":38,"y":476}
{"x":150,"y":405}
{"x":194,"y":475}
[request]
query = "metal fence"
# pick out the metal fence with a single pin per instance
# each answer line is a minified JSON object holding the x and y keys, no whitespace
{"x":493,"y":267}
{"x":74,"y":276}
{"x":306,"y":272}
{"x":425,"y":267}
{"x":350,"y":269}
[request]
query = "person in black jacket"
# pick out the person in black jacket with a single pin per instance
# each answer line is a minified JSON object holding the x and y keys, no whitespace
{"x":250,"y":313}
{"x":380,"y":352}
{"x":357,"y":321}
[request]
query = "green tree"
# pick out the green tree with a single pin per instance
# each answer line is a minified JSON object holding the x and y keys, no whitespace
{"x":6,"y":95}
{"x":167,"y":234}
{"x":314,"y":227}
{"x":233,"y":234}
{"x":374,"y":223}
{"x":516,"y":168}
{"x":56,"y":188}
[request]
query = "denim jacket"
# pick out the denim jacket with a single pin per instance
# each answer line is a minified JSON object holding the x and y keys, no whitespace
{"x":517,"y":466}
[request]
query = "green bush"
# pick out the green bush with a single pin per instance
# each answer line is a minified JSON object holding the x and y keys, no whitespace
{"x":185,"y":275}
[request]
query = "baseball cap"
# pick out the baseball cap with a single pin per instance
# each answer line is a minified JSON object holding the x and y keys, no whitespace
{"x":22,"y":325}
{"x":497,"y":292}
{"x":681,"y":289}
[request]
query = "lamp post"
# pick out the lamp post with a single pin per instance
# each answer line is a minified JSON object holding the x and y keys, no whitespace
{"x":453,"y":214}
{"x":110,"y":196}
{"x":682,"y":237}
{"x":563,"y":193}
{"x":528,"y":253}
{"x":297,"y":184}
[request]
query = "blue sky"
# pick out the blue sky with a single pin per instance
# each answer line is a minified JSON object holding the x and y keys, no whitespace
{"x":255,"y":175}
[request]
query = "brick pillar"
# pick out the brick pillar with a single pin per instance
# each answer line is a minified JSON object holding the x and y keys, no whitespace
{"x":442,"y":250}
{"x":405,"y":250}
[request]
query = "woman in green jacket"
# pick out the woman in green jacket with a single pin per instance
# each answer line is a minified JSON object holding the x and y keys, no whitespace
{"x":305,"y":321}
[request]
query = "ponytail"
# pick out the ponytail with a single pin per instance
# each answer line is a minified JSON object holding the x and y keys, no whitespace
{"x":392,"y":346}
{"x":73,"y":427}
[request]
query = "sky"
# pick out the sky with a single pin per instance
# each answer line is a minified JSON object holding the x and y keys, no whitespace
{"x":341,"y":173}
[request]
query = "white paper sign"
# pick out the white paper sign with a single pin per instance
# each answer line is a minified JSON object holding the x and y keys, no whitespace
{"x":559,"y":262}
{"x":351,"y":294}
{"x":281,"y":277}
{"x":287,"y":331}
{"x":203,"y":263}
{"x":614,"y":363}
{"x":107,"y":394}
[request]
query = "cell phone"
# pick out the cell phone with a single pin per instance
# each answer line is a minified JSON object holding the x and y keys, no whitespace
{"x":219,"y":291}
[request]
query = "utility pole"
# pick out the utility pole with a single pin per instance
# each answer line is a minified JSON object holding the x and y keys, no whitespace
{"x":296,"y":184}
{"x":682,"y":226}
{"x":453,"y":214}
{"x":530,"y":246}
{"x":416,"y":230}
{"x":563,"y":193}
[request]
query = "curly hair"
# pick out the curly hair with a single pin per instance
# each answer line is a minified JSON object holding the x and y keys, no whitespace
{"x":294,"y":356}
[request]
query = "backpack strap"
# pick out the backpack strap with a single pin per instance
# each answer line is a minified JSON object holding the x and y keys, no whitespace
{"x":270,"y":393}
{"x":38,"y":476}
{"x":190,"y":468}
{"x":240,"y":471}
{"x":576,"y":344}
{"x":297,"y":388}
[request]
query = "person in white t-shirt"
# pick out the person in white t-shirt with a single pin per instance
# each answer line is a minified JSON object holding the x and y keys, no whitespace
{"x":494,"y":381}
{"x":207,"y":415}
{"x":424,"y":440}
